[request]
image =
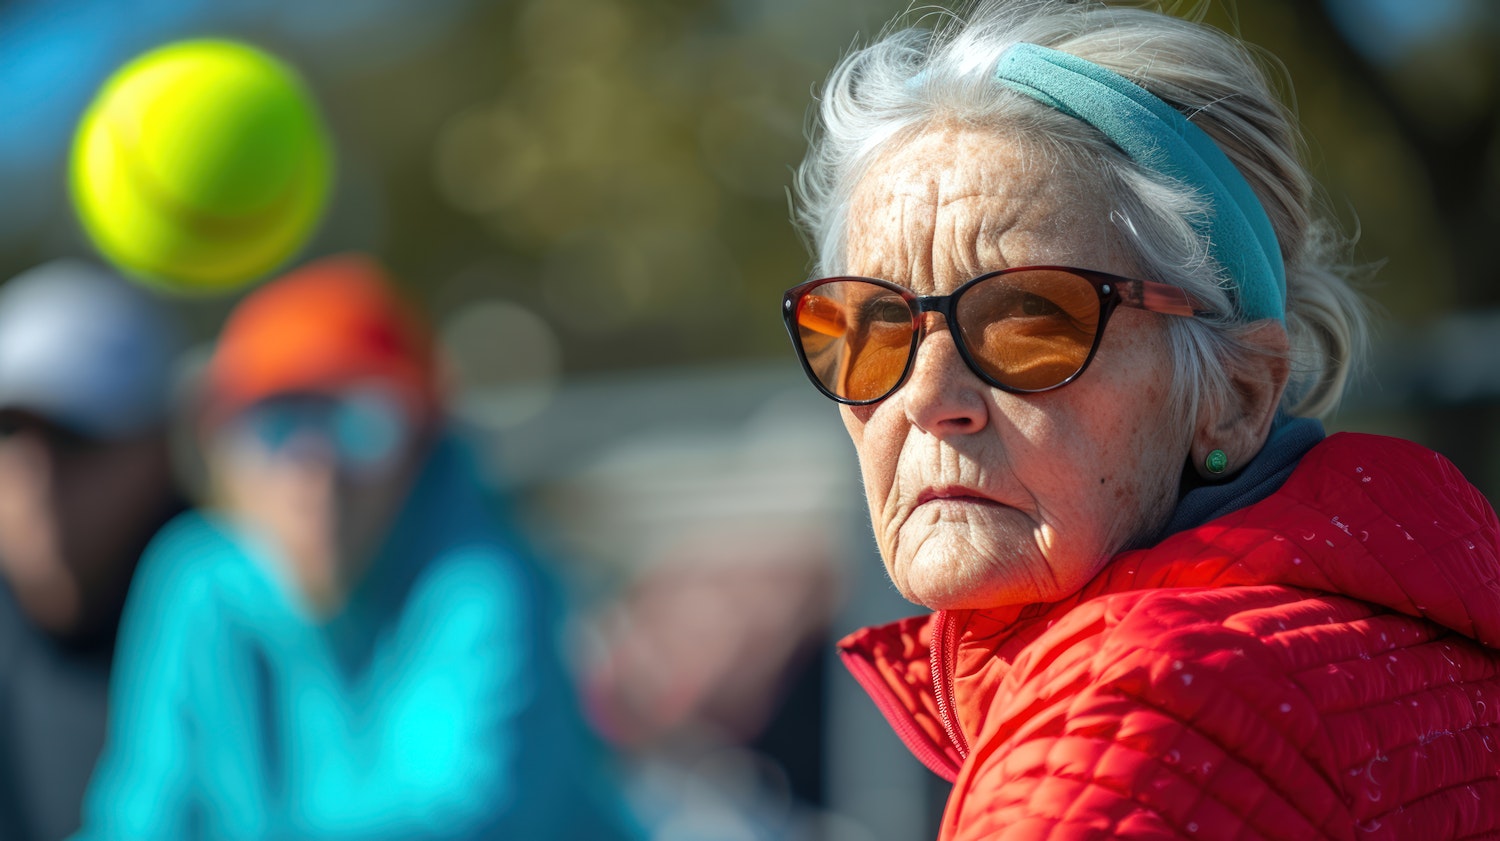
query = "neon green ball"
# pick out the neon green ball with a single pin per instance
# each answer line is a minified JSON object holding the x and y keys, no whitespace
{"x":201,"y":166}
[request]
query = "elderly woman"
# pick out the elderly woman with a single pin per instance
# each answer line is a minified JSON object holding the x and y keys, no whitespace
{"x":1081,"y":316}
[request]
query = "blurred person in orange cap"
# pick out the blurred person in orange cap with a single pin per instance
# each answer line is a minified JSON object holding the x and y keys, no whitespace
{"x":350,"y":643}
{"x":321,"y":406}
{"x":85,"y":481}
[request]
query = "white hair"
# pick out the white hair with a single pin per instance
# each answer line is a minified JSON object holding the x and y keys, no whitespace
{"x":912,"y":79}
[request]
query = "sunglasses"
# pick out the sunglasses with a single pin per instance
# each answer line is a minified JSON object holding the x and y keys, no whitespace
{"x":1023,"y":330}
{"x":363,"y":431}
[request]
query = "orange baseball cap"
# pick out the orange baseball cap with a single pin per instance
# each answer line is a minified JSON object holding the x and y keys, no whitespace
{"x":330,"y":325}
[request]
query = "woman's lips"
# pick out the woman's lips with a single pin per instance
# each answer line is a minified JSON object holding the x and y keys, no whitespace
{"x":954,"y":493}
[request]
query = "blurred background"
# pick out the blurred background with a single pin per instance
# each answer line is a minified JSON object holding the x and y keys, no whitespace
{"x":588,"y":198}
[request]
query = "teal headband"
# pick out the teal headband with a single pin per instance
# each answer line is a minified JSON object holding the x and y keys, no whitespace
{"x":1158,"y":137}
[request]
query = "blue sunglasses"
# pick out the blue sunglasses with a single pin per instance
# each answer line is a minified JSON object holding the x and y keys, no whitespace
{"x":363,"y":429}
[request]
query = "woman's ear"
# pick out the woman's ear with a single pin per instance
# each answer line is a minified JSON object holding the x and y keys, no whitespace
{"x":1237,"y":423}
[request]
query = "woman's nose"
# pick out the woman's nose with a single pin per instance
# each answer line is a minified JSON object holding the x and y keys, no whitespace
{"x":942,"y":396}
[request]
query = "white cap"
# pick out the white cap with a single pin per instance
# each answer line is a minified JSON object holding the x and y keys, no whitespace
{"x":82,"y":348}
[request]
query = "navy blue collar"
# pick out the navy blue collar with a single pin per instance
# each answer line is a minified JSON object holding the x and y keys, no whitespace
{"x":1290,"y":439}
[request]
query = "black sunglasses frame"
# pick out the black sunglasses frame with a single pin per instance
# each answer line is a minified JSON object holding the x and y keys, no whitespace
{"x":1113,"y":291}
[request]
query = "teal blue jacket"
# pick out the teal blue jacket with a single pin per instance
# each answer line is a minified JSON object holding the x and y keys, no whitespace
{"x":435,"y":705}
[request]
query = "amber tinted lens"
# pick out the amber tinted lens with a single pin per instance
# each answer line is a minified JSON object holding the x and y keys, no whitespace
{"x":1030,"y":330}
{"x":856,"y":336}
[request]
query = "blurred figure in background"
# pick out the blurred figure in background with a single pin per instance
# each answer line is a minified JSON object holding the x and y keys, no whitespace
{"x":85,"y":481}
{"x":348,"y":645}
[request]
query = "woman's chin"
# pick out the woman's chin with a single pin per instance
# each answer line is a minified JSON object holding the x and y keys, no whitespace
{"x":946,"y":571}
{"x":944,"y":575}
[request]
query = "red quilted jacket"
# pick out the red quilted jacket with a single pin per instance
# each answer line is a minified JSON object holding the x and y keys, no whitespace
{"x":1323,"y":664}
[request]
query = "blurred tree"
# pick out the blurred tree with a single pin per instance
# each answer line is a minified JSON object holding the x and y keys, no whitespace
{"x":620,"y":168}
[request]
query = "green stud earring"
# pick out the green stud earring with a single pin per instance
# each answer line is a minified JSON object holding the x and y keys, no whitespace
{"x":1216,"y":462}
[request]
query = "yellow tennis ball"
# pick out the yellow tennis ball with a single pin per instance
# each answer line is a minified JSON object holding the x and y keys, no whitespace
{"x":201,"y":165}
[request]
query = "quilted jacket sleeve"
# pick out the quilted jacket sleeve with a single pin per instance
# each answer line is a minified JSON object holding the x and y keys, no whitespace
{"x":1241,"y":713}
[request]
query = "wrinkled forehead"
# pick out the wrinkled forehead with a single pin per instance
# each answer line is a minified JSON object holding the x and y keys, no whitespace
{"x":954,"y":202}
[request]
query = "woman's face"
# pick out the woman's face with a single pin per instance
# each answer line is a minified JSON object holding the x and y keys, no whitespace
{"x":981,"y":498}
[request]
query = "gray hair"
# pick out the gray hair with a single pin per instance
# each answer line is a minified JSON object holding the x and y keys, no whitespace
{"x":915,"y":78}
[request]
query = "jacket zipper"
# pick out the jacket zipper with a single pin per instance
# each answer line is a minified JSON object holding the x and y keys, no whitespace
{"x":944,"y":640}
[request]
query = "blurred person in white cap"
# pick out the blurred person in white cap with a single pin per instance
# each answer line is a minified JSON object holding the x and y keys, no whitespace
{"x":85,"y":481}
